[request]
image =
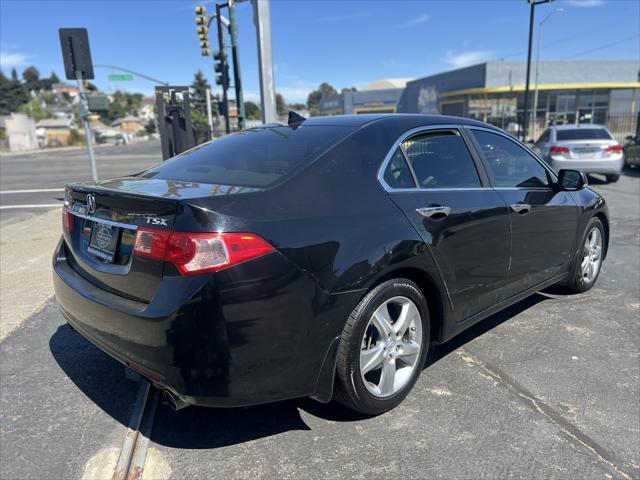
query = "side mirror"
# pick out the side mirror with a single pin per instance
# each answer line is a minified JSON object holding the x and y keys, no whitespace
{"x":572,"y":180}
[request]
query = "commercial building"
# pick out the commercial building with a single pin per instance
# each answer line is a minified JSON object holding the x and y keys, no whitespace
{"x":606,"y":92}
{"x":381,"y":96}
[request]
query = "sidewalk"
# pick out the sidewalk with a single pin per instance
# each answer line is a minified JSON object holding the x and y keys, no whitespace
{"x":26,"y":248}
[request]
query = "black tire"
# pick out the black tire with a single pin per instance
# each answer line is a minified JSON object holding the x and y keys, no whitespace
{"x":576,"y":282}
{"x":350,"y":389}
{"x":612,"y":178}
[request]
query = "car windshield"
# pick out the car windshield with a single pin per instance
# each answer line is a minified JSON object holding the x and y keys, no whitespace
{"x":251,"y":158}
{"x":583,"y":134}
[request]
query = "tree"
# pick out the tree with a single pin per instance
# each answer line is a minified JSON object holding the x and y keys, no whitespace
{"x":348,"y":90}
{"x":31,"y":78}
{"x":252,"y":111}
{"x":198,"y":99}
{"x":313,"y":99}
{"x":5,"y":95}
{"x":34,"y":109}
{"x":122,"y":104}
{"x":281,"y":105}
{"x":47,"y":83}
{"x":13,"y":93}
{"x":297,"y":106}
{"x":199,"y":92}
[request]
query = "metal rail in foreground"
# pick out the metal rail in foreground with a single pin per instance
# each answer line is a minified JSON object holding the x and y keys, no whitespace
{"x":136,"y":442}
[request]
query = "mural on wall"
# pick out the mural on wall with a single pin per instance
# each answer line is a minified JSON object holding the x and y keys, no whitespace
{"x":428,"y":100}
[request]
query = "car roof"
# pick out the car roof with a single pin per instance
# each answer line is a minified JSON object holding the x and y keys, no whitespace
{"x":578,"y":126}
{"x":365,"y":119}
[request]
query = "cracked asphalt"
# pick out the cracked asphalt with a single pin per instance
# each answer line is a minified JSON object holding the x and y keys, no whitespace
{"x":549,"y":388}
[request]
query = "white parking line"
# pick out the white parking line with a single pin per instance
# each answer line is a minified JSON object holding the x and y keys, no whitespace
{"x":42,"y":205}
{"x":41,"y":190}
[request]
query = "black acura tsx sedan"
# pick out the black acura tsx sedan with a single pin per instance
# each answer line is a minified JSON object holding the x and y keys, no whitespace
{"x":320,"y":258}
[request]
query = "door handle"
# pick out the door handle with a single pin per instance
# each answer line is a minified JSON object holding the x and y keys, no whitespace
{"x":435,"y":213}
{"x":521,"y":208}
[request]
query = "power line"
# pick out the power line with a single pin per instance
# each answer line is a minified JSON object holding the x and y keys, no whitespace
{"x":601,"y":47}
{"x":584,"y":33}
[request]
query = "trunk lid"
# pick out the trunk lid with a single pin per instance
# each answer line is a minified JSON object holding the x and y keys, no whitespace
{"x":104,"y":219}
{"x":587,"y":149}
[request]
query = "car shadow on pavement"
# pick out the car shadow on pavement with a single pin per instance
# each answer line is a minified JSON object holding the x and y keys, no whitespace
{"x":96,"y":374}
{"x":205,"y":428}
{"x":440,"y":351}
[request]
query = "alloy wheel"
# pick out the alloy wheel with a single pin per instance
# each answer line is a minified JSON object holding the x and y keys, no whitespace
{"x":391,"y":347}
{"x":592,"y":256}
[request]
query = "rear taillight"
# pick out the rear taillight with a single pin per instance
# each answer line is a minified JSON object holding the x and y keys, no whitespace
{"x":67,"y":220}
{"x":558,"y":150}
{"x":614,"y":148}
{"x":195,"y":253}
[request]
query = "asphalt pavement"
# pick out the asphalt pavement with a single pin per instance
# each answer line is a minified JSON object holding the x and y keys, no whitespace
{"x":549,"y":388}
{"x":33,"y":182}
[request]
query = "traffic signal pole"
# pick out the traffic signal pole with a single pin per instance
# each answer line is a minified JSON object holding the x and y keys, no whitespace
{"x":235,"y":55}
{"x":223,"y":68}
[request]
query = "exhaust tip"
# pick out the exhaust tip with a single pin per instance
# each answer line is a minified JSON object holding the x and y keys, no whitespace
{"x":174,"y":402}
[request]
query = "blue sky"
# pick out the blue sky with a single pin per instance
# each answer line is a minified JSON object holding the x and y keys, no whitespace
{"x":345,"y":43}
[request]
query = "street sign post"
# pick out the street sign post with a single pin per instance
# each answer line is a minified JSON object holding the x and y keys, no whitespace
{"x":76,"y":55}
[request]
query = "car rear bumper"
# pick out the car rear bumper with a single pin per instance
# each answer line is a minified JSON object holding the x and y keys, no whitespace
{"x":604,"y":166}
{"x":242,"y":336}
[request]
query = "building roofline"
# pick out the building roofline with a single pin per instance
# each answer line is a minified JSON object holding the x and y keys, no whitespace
{"x":548,"y":86}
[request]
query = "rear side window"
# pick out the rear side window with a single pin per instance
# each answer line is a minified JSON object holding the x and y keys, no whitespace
{"x":544,"y":138}
{"x":582,"y":134}
{"x":251,"y":158}
{"x":397,"y":174}
{"x":441,"y":160}
{"x":511,"y":165}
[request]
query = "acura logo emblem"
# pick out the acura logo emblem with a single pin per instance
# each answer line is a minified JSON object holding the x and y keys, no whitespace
{"x":91,"y":203}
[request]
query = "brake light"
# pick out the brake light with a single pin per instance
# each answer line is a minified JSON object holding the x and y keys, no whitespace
{"x":68,"y":221}
{"x":558,"y":150}
{"x":195,"y":253}
{"x":617,"y":148}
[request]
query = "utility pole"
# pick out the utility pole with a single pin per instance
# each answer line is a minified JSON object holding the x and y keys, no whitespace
{"x":235,"y":55}
{"x":525,"y":119}
{"x":534,"y":113}
{"x":262,"y":21}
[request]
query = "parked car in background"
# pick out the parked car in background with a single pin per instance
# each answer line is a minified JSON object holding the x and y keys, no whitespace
{"x":632,"y":151}
{"x":585,"y":147}
{"x":321,"y":258}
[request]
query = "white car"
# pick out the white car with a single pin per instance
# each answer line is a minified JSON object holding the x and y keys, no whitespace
{"x":586,"y":147}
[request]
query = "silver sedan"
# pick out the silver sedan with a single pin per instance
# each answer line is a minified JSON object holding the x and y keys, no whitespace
{"x":587,"y":147}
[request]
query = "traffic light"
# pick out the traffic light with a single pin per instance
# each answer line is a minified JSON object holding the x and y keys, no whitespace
{"x":221,"y":66}
{"x":202,"y":23}
{"x":204,"y":44}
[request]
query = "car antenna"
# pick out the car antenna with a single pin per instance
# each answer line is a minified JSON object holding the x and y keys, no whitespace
{"x":295,"y":119}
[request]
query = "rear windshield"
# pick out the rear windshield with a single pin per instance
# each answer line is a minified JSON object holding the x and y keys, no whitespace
{"x":583,"y":134}
{"x":250,"y":158}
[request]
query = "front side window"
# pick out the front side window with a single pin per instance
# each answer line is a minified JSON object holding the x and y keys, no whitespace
{"x":441,"y":160}
{"x":511,"y":165}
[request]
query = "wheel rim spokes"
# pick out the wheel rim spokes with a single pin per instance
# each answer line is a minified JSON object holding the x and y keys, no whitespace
{"x":592,"y":255}
{"x":391,"y":346}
